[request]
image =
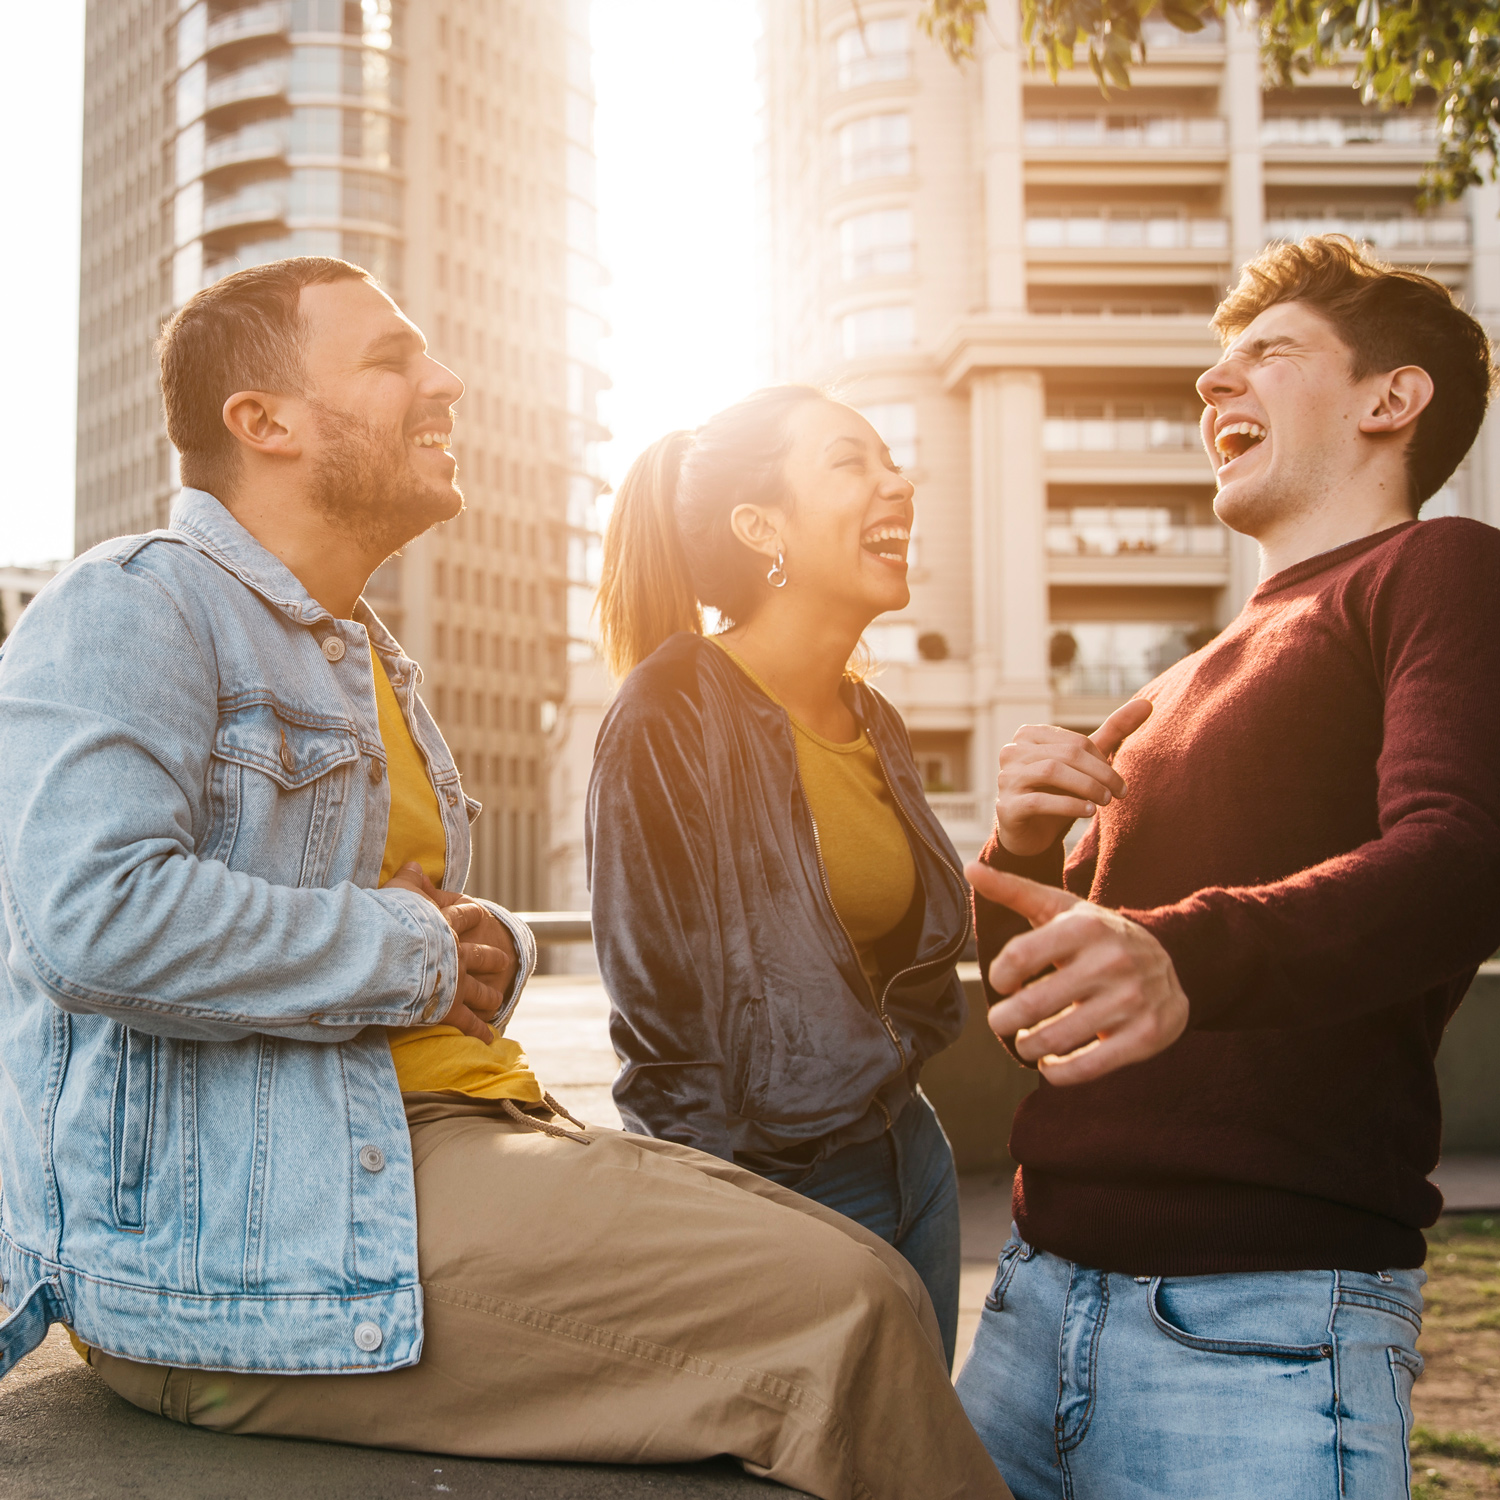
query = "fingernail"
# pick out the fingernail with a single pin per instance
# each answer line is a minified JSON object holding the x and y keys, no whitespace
{"x":1089,"y":810}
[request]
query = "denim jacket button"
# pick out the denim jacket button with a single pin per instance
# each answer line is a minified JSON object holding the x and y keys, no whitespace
{"x":333,"y":648}
{"x":376,"y":771}
{"x":368,"y":1337}
{"x":372,"y":1158}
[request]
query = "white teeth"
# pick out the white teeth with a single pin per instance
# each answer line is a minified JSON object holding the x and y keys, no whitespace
{"x":1247,"y":429}
{"x":431,"y":440}
{"x":888,"y":534}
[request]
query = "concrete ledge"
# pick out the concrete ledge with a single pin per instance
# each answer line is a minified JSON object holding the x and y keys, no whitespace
{"x":63,"y":1432}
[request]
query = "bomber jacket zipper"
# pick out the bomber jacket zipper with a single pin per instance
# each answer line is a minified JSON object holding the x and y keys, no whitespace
{"x":947,"y":956}
{"x":950,"y":954}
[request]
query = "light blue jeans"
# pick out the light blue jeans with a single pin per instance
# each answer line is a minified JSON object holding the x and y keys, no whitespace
{"x":903,"y":1187}
{"x":1265,"y":1385}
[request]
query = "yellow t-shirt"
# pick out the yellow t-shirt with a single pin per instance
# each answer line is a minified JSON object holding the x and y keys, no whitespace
{"x":872,"y":876}
{"x":434,"y":1057}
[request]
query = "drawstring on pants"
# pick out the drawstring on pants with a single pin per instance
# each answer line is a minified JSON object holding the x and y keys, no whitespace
{"x":513,"y":1111}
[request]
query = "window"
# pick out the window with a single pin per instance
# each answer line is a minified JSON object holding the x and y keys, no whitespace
{"x":878,"y":330}
{"x":896,"y":422}
{"x":877,"y":52}
{"x":876,"y":244}
{"x":876,"y":146}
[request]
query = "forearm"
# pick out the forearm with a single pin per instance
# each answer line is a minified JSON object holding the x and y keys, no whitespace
{"x":1355,"y":934}
{"x":188,"y":948}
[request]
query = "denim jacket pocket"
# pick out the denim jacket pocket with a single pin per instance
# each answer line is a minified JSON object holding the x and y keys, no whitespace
{"x":284,"y":777}
{"x":133,"y":1111}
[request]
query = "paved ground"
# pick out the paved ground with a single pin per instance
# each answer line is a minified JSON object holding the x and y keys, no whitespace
{"x":63,"y":1433}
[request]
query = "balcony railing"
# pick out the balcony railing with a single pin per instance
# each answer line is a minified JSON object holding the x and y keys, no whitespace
{"x":1157,"y":31}
{"x":262,"y":81}
{"x":1125,"y":132}
{"x":1349,"y":130}
{"x":1120,"y":231}
{"x":1406,"y":232}
{"x":253,"y":143}
{"x":1129,"y":532}
{"x":878,"y":161}
{"x":259,"y":207}
{"x":879,"y":67}
{"x":248,"y":21}
{"x":1119,"y":435}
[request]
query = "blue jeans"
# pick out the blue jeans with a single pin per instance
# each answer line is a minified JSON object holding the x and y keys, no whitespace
{"x":903,"y":1187}
{"x":1265,"y":1385}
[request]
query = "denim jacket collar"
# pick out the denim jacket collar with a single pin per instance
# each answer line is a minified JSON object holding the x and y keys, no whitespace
{"x":208,"y":525}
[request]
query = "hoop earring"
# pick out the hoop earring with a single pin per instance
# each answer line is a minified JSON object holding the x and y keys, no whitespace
{"x":777,"y":576}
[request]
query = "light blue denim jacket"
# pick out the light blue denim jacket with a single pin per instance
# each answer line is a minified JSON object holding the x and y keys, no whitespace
{"x":203,"y":1156}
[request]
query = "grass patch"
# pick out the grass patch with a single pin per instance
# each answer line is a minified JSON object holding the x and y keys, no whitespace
{"x":1468,"y":1446}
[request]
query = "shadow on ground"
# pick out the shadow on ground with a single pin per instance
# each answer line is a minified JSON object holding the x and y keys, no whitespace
{"x":64,"y":1432}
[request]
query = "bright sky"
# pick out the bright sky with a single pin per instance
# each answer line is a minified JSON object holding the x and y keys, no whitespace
{"x":675,"y":136}
{"x":675,"y":133}
{"x":41,"y":115}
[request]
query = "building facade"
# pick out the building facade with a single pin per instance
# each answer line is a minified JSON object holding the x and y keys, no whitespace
{"x":447,"y":147}
{"x":1013,"y":278}
{"x":18,"y":587}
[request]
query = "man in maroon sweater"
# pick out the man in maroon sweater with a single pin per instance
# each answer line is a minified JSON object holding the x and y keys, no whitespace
{"x":1236,"y":985}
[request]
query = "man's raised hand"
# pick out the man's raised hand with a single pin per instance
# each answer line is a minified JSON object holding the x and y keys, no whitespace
{"x":1050,"y":777}
{"x":486,"y":961}
{"x":1113,"y":999}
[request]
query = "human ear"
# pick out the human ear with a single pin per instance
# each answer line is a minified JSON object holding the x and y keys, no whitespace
{"x":1401,"y":397}
{"x":758,"y":529}
{"x":254,"y":418}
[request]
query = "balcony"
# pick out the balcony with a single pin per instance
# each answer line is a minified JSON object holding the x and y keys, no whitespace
{"x":247,"y":24}
{"x":263,"y":80}
{"x":1130,"y":531}
{"x":876,"y":51}
{"x":1107,"y":661}
{"x":1403,"y":233}
{"x":1122,"y":230}
{"x":1339,"y":132}
{"x":1065,"y":134}
{"x":264,"y":141}
{"x":876,"y":163}
{"x":259,"y":207}
{"x":1104,"y":546}
{"x":1065,"y":432}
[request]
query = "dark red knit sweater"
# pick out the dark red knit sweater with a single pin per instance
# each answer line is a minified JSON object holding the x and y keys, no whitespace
{"x":1312,"y":831}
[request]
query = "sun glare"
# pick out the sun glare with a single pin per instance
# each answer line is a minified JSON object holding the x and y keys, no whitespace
{"x":675,"y":138}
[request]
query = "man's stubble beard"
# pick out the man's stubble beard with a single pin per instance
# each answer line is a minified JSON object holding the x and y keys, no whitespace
{"x":363,"y":485}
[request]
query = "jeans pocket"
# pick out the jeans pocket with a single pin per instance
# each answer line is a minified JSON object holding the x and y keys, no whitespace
{"x":1161,"y":1316}
{"x":1010,"y":1257}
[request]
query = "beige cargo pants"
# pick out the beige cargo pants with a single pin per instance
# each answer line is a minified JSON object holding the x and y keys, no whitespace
{"x":625,"y":1300}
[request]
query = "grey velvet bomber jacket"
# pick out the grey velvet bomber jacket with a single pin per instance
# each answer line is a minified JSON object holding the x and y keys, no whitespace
{"x":738,"y":1004}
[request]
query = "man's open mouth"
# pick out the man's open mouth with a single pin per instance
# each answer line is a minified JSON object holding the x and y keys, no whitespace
{"x":888,"y":543}
{"x":431,"y":439}
{"x":1237,"y":439}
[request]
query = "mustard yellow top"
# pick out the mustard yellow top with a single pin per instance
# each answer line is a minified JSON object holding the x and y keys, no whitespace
{"x":434,"y":1057}
{"x":871,"y":874}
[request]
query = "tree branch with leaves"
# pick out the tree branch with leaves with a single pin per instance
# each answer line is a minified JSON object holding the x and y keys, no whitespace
{"x":1399,"y":48}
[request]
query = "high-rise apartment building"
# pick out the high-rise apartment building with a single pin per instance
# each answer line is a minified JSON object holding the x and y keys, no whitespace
{"x":1013,"y":279}
{"x":446,"y":147}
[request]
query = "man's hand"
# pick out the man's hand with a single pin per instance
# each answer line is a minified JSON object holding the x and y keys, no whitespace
{"x":1114,"y":998}
{"x":1051,"y":777}
{"x":486,"y":954}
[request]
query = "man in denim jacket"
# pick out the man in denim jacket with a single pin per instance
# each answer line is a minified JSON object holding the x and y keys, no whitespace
{"x":208,"y":1163}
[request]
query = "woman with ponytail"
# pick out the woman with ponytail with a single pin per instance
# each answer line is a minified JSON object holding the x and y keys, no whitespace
{"x":778,"y":913}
